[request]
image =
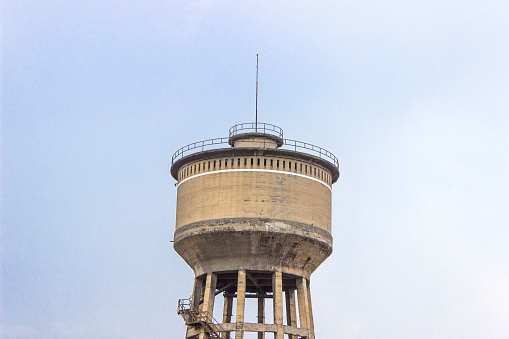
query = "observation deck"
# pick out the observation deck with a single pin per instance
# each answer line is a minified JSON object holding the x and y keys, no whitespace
{"x":255,"y":135}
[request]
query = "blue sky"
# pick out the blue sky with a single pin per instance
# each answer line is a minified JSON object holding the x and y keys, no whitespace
{"x":412,"y":97}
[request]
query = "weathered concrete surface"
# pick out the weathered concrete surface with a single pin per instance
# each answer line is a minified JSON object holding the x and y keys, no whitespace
{"x":254,"y":194}
{"x":253,"y":244}
{"x":235,"y":153}
{"x":252,"y":327}
{"x":256,"y":140}
{"x":254,"y":219}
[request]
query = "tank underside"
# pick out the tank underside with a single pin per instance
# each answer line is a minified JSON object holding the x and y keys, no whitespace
{"x":253,"y":244}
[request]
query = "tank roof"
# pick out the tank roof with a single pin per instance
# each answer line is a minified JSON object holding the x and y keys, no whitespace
{"x":217,"y":147}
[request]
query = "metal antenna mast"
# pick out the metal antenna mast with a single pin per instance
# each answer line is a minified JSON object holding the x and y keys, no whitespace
{"x":256,"y":103}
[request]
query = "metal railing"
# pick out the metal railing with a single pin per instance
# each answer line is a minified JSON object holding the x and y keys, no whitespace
{"x":288,"y":144}
{"x":198,"y":146}
{"x":320,"y":152}
{"x":184,"y":304}
{"x":203,"y":318}
{"x":253,"y":127}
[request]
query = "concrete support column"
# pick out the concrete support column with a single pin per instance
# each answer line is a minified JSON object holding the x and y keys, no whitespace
{"x":261,"y":315}
{"x":195,"y":298}
{"x":310,"y":308}
{"x":227,"y":313}
{"x":277,"y":288}
{"x":208,"y":300}
{"x":241,"y":303}
{"x":197,"y":292}
{"x":227,"y":309}
{"x":291,"y":310}
{"x":303,"y":298}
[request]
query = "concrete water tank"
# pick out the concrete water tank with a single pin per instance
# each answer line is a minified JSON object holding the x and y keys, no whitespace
{"x":253,"y":220}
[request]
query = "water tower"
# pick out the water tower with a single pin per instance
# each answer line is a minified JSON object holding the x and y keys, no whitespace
{"x":253,"y":221}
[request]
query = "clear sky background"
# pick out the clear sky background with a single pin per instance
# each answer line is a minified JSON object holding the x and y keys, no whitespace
{"x":411,"y":96}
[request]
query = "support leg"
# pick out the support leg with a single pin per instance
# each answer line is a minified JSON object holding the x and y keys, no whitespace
{"x":277,"y":288}
{"x":303,"y":298}
{"x":261,"y":315}
{"x":208,"y":300}
{"x":291,"y":311}
{"x":310,"y":310}
{"x":195,"y":297}
{"x":197,"y":292}
{"x":227,"y":313}
{"x":241,"y":302}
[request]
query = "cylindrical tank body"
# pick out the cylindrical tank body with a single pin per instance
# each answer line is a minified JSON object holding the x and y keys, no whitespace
{"x":254,"y":207}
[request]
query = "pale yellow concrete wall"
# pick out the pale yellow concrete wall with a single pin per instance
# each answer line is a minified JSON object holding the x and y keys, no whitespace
{"x":256,"y":162}
{"x":262,"y":143}
{"x":253,"y":194}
